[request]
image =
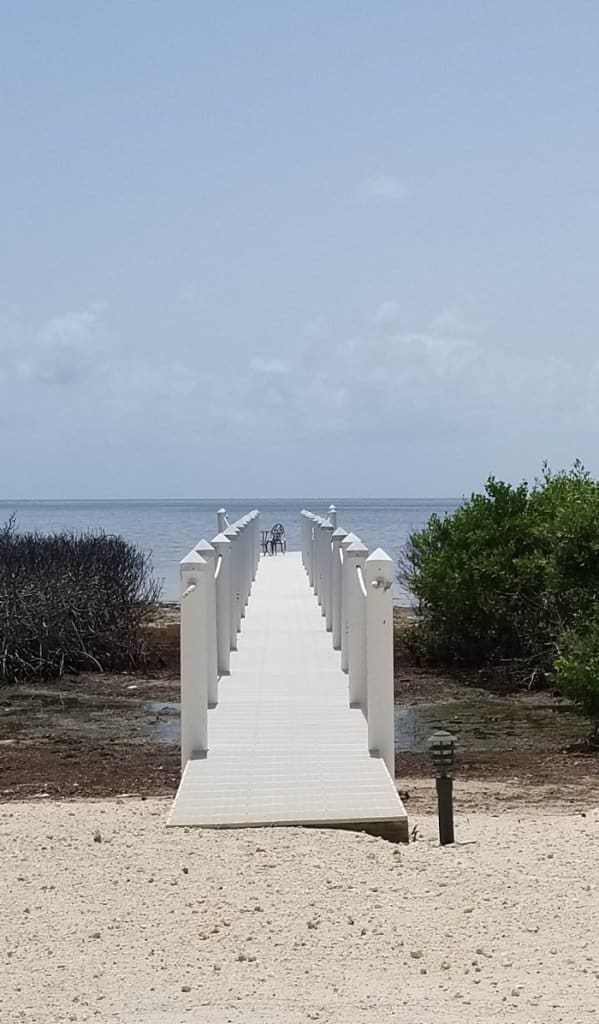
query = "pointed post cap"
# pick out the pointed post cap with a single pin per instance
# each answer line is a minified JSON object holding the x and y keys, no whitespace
{"x":356,"y":548}
{"x":380,"y":568}
{"x":348,"y":539}
{"x":220,"y":539}
{"x":194,"y":561}
{"x":339,"y":534}
{"x":327,"y":525}
{"x":204,"y":548}
{"x":231,"y":532}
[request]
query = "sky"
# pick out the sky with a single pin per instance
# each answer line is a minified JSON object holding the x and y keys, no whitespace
{"x":281,"y":248}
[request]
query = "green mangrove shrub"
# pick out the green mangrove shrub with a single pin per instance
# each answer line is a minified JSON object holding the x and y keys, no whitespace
{"x":511,"y":579}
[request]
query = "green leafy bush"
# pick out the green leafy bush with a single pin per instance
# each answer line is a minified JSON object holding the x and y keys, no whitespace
{"x":509,"y":574}
{"x":577,"y":668}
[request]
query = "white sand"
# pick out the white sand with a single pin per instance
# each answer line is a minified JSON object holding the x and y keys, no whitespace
{"x":293,"y":925}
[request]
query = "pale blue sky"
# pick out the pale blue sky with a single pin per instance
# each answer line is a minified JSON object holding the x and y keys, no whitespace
{"x":281,"y":248}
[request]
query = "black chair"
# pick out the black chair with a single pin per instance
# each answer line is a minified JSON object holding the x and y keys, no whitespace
{"x":277,"y":539}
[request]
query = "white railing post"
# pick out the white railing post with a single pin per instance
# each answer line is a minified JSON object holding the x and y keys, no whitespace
{"x":345,"y":543}
{"x":304,"y":537}
{"x":316,"y":557}
{"x":311,"y":529}
{"x":194,"y":663}
{"x":222,"y":546}
{"x":379,"y":657}
{"x":235,"y":618}
{"x":244,"y":564}
{"x":327,"y":574}
{"x":332,"y":516}
{"x":355,"y":556}
{"x":221,"y":519}
{"x":338,"y":535}
{"x":208,"y":553}
{"x":255,"y":543}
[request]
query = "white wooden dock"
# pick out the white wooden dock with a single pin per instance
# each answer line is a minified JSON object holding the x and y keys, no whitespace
{"x":284,"y":746}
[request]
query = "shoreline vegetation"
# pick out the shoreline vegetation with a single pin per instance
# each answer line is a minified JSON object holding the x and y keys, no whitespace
{"x":68,"y":729}
{"x":106,"y":734}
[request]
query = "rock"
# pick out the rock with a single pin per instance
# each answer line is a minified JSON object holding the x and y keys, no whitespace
{"x":186,"y":988}
{"x":97,"y":836}
{"x":416,"y":954}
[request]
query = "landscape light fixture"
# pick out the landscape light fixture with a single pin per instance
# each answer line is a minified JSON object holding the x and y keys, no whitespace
{"x":442,"y":746}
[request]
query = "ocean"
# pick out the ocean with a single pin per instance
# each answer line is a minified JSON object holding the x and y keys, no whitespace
{"x":169,"y":528}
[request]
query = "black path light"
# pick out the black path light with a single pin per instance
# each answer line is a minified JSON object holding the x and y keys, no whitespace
{"x":442,"y":745}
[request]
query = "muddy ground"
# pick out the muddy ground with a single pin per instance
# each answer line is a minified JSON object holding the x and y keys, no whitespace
{"x":99,"y":735}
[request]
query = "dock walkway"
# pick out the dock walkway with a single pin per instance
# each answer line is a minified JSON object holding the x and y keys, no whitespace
{"x":285,"y":747}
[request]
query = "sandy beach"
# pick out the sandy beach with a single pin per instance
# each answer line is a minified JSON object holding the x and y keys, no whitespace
{"x":109,"y":916}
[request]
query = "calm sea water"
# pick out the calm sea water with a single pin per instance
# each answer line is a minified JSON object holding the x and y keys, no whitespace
{"x":169,"y":528}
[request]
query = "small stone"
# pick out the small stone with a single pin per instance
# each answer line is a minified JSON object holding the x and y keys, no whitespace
{"x":186,"y":988}
{"x":515,"y":992}
{"x":416,"y":954}
{"x":445,"y":965}
{"x":185,"y":871}
{"x":97,"y":836}
{"x":95,"y":935}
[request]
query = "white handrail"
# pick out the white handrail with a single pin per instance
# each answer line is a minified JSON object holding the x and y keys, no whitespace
{"x":216,"y":582}
{"x":359,"y":612}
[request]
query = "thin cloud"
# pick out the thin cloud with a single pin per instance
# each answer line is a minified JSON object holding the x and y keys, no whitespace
{"x":385,"y":187}
{"x":61,"y":352}
{"x":274,"y":366}
{"x":387,"y":313}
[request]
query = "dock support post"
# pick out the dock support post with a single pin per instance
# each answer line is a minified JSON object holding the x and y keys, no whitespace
{"x":194,"y":663}
{"x":208,"y":553}
{"x":317,"y":557}
{"x":345,"y":543}
{"x":336,"y":567}
{"x":222,"y":546}
{"x":232,"y":535}
{"x":244,"y":565}
{"x":304,"y":537}
{"x":327,"y":574}
{"x":355,"y":556}
{"x":379,"y":571}
{"x":221,"y":518}
{"x":311,"y":533}
{"x":255,"y":542}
